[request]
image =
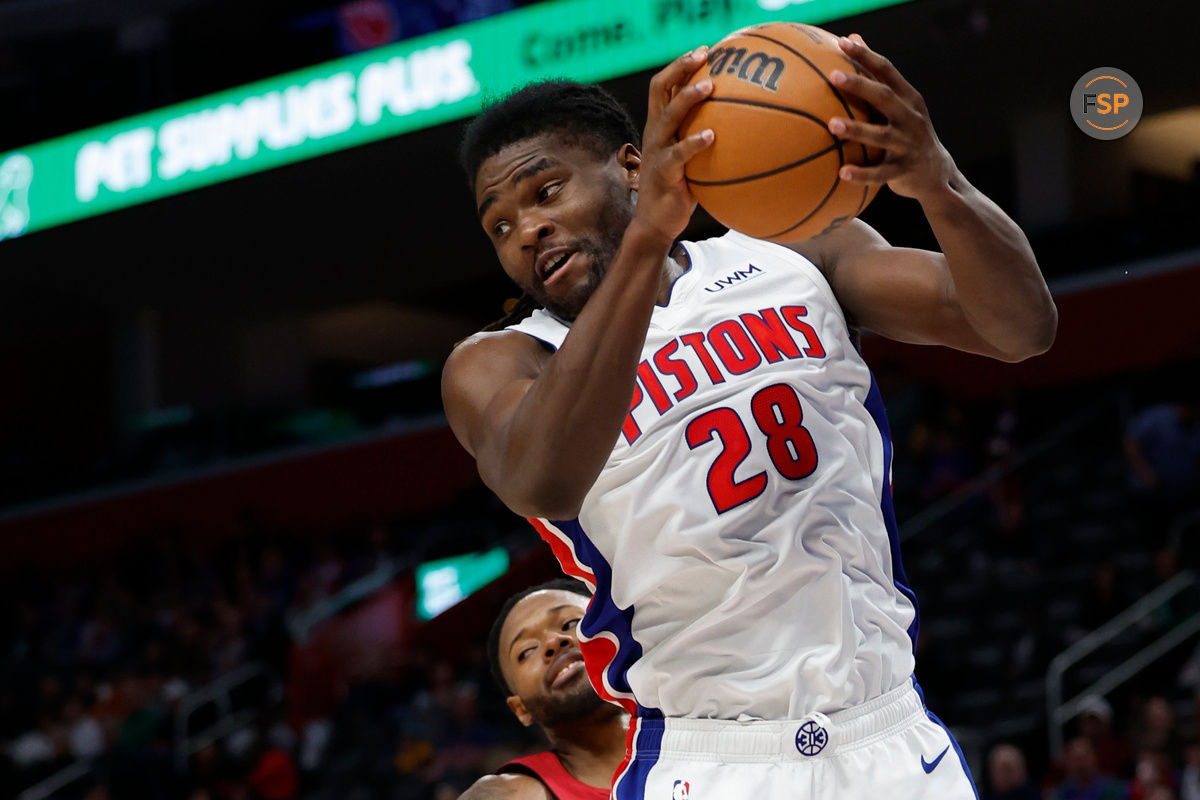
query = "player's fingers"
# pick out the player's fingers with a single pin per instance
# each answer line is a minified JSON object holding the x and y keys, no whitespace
{"x":880,"y":67}
{"x":663,"y":84}
{"x":682,"y":151}
{"x":684,"y":101}
{"x":882,"y":97}
{"x":875,"y":176}
{"x":884,"y":136}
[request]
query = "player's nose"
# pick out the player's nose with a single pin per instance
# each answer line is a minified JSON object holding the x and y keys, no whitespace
{"x":534,"y":226}
{"x":555,"y":644}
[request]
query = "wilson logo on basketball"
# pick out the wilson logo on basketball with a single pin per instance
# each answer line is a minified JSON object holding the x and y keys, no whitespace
{"x":757,"y":68}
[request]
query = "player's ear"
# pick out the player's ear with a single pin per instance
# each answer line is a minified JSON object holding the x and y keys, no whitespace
{"x":630,"y":161}
{"x":517,"y":706}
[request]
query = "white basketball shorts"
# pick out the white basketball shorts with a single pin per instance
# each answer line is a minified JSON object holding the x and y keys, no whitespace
{"x":891,"y":748}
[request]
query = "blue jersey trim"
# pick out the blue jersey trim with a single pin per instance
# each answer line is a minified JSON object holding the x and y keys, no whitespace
{"x":874,"y":406}
{"x":604,"y":615}
{"x":631,"y":784}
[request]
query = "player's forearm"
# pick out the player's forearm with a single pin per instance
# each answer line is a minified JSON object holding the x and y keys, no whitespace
{"x":997,"y":281}
{"x":566,"y":425}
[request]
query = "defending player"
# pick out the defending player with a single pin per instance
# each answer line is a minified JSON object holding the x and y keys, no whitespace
{"x":536,"y":661}
{"x":698,"y":438}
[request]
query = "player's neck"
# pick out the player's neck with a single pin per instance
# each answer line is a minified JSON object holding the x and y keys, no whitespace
{"x":592,"y":749}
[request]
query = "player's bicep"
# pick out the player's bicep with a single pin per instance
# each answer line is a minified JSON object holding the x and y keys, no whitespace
{"x":483,"y":383}
{"x":902,"y":293}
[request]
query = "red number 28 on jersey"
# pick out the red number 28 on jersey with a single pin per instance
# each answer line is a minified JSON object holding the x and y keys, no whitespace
{"x":777,"y":412}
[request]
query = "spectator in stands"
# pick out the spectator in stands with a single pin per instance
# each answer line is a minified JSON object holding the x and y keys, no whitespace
{"x":1162,"y":446}
{"x":1157,"y":731}
{"x":1007,"y":775}
{"x":1084,"y":780}
{"x":1114,"y":755}
{"x":950,"y":461}
{"x":85,"y":736}
{"x":467,"y":740}
{"x":1189,"y":780}
{"x":1152,"y":775}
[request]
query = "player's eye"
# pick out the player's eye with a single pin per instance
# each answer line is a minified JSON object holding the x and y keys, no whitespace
{"x":549,"y":190}
{"x":500,"y":228}
{"x":521,"y":656}
{"x":570,"y":624}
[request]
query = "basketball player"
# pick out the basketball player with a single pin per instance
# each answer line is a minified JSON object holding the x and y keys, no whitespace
{"x":536,"y":661}
{"x":691,"y":428}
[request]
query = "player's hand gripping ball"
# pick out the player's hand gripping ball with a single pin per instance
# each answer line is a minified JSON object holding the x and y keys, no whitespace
{"x":772,"y":170}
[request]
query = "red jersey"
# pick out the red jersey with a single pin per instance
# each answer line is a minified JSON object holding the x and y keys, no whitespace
{"x":549,"y":770}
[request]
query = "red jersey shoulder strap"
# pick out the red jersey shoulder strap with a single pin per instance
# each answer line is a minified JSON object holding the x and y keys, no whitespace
{"x":549,"y":770}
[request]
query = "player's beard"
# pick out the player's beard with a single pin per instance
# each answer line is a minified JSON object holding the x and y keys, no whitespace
{"x":600,"y":249}
{"x":573,"y":704}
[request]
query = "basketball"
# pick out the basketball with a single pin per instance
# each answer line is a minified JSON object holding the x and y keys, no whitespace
{"x":772,"y":170}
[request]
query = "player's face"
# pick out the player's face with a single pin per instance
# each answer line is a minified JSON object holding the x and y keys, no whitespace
{"x":555,"y":213}
{"x":540,"y":659}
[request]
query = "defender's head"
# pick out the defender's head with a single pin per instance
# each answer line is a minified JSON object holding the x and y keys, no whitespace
{"x":554,"y":168}
{"x":535,"y":658}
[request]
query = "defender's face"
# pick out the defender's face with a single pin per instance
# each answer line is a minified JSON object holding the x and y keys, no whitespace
{"x":540,"y":659}
{"x":555,"y":212}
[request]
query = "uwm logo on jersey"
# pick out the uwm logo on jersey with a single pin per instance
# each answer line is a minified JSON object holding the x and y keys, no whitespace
{"x":737,"y":276}
{"x":753,"y":67}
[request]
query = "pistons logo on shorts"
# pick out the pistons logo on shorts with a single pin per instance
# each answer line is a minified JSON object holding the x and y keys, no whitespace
{"x":680,"y":790}
{"x":811,"y":739}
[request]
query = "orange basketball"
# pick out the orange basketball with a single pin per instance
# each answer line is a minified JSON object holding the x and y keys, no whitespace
{"x":772,"y":171}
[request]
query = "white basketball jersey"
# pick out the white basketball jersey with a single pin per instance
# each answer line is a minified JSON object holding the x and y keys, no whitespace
{"x":740,"y":540}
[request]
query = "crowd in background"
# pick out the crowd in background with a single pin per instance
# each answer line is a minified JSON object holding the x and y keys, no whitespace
{"x":95,"y":662}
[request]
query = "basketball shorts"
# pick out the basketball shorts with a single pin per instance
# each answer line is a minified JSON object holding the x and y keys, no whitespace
{"x":890,"y":749}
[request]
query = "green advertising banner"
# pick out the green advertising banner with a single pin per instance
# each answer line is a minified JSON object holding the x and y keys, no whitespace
{"x":414,"y":84}
{"x":444,"y":583}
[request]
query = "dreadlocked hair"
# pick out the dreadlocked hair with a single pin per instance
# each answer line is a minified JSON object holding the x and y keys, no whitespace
{"x":515,"y":310}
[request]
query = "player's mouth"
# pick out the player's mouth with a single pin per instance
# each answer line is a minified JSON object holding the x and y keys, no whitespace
{"x":552,"y":263}
{"x":564,"y":669}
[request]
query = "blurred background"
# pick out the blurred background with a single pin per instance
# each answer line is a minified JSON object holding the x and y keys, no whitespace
{"x":242,"y":555}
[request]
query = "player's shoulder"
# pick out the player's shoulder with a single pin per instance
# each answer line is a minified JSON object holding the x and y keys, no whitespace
{"x":497,"y":352}
{"x":508,"y":786}
{"x":846,"y":240}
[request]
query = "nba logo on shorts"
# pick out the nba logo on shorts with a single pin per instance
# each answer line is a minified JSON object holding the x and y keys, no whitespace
{"x":680,"y":790}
